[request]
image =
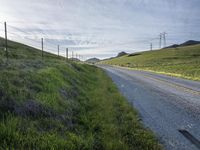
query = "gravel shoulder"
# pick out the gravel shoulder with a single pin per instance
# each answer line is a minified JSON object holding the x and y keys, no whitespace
{"x":166,"y":104}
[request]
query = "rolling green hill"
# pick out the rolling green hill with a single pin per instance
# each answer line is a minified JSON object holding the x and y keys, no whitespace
{"x":58,"y":104}
{"x":181,"y":61}
{"x":92,"y":60}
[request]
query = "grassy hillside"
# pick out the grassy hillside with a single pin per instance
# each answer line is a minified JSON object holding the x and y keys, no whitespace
{"x":181,"y":61}
{"x":92,"y":60}
{"x":54,"y":104}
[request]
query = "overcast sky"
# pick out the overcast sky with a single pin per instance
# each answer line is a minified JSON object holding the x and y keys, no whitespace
{"x":100,"y":28}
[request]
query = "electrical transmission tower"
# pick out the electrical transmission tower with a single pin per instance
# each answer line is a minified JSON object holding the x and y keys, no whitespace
{"x":162,"y":37}
{"x":160,"y":40}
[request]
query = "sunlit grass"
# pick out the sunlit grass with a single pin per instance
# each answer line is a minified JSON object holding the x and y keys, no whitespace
{"x":181,"y":62}
{"x":54,"y":104}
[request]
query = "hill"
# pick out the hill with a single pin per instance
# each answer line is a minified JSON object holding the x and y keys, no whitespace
{"x":93,"y":60}
{"x":190,"y":42}
{"x":183,"y":61}
{"x":187,"y":43}
{"x":121,"y":54}
{"x":58,"y":104}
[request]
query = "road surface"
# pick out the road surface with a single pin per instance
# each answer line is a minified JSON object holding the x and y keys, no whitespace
{"x":169,"y":106}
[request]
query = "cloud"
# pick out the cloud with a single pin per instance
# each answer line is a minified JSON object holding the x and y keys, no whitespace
{"x":107,"y":26}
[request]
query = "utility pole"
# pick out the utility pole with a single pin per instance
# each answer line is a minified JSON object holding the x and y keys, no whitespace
{"x":66,"y":53}
{"x":42,"y":42}
{"x":160,"y":42}
{"x":58,"y":50}
{"x":6,"y":40}
{"x":151,"y":46}
{"x":164,"y":38}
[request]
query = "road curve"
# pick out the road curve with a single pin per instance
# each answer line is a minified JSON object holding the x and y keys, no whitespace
{"x":169,"y":106}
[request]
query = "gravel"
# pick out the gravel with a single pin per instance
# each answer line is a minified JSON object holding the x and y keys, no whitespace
{"x":166,"y":104}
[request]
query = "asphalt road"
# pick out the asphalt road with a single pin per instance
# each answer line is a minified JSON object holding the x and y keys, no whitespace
{"x":169,"y":106}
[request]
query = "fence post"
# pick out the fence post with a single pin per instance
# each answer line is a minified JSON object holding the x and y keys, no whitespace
{"x":6,"y":40}
{"x":42,"y":48}
{"x":66,"y":53}
{"x":58,"y":50}
{"x":72,"y":56}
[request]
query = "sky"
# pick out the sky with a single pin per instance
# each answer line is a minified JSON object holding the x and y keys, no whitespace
{"x":100,"y":28}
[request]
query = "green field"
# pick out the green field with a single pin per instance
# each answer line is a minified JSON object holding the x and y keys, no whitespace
{"x":181,"y":61}
{"x":58,"y":104}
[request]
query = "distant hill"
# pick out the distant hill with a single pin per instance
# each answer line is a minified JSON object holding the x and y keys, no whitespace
{"x":93,"y":60}
{"x":118,"y":55}
{"x":190,"y":42}
{"x":187,"y":43}
{"x":183,"y":61}
{"x":172,"y":46}
{"x":121,"y":54}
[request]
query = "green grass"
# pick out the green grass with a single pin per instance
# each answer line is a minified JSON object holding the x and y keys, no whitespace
{"x":58,"y":104}
{"x":182,"y":62}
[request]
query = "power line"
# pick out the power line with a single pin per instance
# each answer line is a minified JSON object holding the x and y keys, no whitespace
{"x":18,"y":29}
{"x":34,"y":41}
{"x":53,"y":46}
{"x":26,"y":39}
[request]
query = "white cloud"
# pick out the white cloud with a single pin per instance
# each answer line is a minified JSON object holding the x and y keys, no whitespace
{"x":108,"y":26}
